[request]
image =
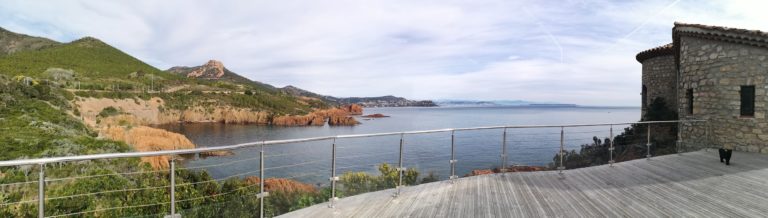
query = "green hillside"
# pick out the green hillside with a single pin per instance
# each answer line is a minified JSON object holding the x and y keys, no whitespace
{"x":88,"y":56}
{"x":96,"y":69}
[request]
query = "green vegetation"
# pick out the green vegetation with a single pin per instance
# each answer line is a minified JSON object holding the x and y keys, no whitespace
{"x":34,"y":126}
{"x":89,"y":57}
{"x":97,"y":69}
{"x":109,"y":111}
{"x":353,"y":183}
{"x":630,"y":144}
{"x":36,"y":83}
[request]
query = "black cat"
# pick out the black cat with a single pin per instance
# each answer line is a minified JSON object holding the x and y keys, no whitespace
{"x":725,"y":154}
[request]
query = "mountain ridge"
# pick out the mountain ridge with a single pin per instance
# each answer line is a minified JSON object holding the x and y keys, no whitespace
{"x":11,"y":42}
{"x":380,"y":101}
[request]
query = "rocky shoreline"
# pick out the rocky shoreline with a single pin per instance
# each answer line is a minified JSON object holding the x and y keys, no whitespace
{"x":152,"y":112}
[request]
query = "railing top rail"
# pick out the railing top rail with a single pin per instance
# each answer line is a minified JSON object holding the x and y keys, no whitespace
{"x":288,"y":141}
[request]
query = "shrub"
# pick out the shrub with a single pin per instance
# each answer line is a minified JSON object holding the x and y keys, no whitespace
{"x":109,"y":111}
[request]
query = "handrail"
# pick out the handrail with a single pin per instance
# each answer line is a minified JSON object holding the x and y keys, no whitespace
{"x":47,"y":160}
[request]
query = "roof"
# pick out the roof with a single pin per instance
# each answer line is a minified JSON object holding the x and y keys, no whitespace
{"x":735,"y":33}
{"x":719,"y":33}
{"x":655,"y":52}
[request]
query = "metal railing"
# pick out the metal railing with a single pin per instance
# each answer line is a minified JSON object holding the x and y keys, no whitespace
{"x":334,"y":178}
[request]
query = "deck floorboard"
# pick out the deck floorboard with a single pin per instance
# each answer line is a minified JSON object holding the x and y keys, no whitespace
{"x":693,"y":184}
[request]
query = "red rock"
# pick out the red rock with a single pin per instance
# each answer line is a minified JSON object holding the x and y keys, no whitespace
{"x":353,"y":109}
{"x":375,"y":115}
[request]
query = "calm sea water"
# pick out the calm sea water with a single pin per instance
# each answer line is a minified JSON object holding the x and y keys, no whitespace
{"x":428,"y":153}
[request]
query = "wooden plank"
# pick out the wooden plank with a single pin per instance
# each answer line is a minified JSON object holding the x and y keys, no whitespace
{"x":692,"y":184}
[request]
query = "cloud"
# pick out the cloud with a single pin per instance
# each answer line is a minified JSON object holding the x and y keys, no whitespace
{"x":575,"y":51}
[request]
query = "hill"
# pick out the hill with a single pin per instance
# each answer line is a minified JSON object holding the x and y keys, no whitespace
{"x":91,"y":68}
{"x":383,"y":101}
{"x":89,"y":57}
{"x":215,"y":71}
{"x":11,"y":42}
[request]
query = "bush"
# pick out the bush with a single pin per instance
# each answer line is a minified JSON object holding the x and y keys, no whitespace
{"x":353,"y":183}
{"x":108,"y":111}
{"x":628,"y":145}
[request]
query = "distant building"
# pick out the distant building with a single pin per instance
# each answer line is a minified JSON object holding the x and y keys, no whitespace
{"x":716,"y":74}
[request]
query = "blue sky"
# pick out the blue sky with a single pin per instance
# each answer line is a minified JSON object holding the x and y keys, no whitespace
{"x":556,"y":51}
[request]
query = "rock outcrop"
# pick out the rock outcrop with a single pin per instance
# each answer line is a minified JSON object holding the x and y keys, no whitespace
{"x":375,"y":116}
{"x":222,"y":114}
{"x":143,"y":138}
{"x":299,"y":120}
{"x":148,"y":112}
{"x":353,"y":109}
{"x":335,"y":117}
{"x":215,"y":70}
{"x":212,"y":70}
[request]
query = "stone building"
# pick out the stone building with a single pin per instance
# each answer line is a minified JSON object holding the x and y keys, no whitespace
{"x":717,"y":74}
{"x":659,"y":76}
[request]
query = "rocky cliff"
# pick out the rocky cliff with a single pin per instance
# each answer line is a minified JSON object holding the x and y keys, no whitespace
{"x":126,"y":128}
{"x":152,"y":112}
{"x":212,"y":70}
{"x":353,"y":109}
{"x":335,"y":117}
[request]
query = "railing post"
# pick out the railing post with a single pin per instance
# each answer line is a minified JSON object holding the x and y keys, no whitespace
{"x":610,"y":150}
{"x":679,"y":145}
{"x":648,"y":144}
{"x":334,"y":178}
{"x":173,"y":186}
{"x":504,"y":152}
{"x":262,"y":194}
{"x":453,"y":156}
{"x":400,"y":168}
{"x":41,"y":192}
{"x":562,"y":147}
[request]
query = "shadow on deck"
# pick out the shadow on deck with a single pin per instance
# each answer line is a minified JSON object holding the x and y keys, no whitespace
{"x":691,"y":184}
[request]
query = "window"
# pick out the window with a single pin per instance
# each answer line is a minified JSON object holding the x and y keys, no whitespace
{"x":644,"y":96}
{"x":689,"y":98}
{"x":747,"y":101}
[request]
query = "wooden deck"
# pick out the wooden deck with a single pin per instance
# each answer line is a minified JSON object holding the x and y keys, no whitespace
{"x":694,"y":184}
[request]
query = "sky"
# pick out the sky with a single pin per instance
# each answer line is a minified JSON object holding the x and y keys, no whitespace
{"x":577,"y":51}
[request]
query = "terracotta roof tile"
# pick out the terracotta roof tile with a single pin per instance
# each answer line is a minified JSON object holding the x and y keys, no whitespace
{"x":655,"y":52}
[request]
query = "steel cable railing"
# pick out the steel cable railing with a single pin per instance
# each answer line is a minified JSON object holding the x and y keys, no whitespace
{"x":422,"y":150}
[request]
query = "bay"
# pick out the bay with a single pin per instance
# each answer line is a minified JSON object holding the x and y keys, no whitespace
{"x":428,"y":153}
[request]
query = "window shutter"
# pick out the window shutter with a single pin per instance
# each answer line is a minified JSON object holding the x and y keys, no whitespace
{"x":747,"y":100}
{"x":689,"y":97}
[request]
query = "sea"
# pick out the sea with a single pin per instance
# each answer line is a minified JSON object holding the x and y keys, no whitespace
{"x":429,"y":154}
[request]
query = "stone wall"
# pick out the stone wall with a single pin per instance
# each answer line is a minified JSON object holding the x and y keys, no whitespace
{"x":659,"y":79}
{"x":715,"y":70}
